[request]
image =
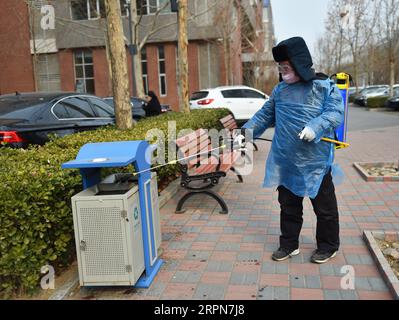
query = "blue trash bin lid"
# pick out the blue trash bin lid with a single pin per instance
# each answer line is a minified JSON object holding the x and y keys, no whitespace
{"x":108,"y":154}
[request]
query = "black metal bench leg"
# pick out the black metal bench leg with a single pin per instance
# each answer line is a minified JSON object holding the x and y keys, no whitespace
{"x":209,"y":193}
{"x":240,"y":179}
{"x":215,"y":196}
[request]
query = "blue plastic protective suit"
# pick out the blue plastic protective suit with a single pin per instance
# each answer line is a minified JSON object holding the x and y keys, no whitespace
{"x":296,"y":164}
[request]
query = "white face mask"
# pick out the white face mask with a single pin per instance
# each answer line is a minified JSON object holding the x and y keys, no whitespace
{"x":290,"y":77}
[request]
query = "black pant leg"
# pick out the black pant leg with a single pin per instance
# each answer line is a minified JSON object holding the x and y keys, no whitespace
{"x":326,"y":209}
{"x":290,"y":218}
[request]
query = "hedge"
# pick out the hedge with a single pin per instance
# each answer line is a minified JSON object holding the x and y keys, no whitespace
{"x":36,"y":226}
{"x":376,"y":102}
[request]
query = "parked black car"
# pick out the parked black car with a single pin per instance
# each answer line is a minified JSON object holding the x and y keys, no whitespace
{"x":393,"y":102}
{"x":29,"y":118}
{"x":138,"y":106}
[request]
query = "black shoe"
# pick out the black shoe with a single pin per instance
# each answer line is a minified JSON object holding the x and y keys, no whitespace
{"x":283,"y":253}
{"x":320,"y":256}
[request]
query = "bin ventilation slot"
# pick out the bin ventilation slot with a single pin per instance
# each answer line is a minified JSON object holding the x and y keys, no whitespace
{"x":102,"y":233}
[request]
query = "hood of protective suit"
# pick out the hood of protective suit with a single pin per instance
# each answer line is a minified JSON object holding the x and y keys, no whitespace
{"x":295,"y":50}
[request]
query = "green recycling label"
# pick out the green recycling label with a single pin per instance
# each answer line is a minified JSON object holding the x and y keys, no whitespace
{"x":136,"y":213}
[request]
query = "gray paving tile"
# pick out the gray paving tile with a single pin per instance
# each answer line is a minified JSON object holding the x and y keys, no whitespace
{"x":378,"y":284}
{"x":221,"y":266}
{"x":331,"y":294}
{"x":186,"y":276}
{"x":349,"y":295}
{"x":208,"y":237}
{"x":313,"y":282}
{"x":297,"y":281}
{"x":205,"y":291}
{"x":249,"y":256}
{"x":244,"y":278}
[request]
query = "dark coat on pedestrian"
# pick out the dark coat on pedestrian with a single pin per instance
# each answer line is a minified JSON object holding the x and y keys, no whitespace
{"x":153,"y":107}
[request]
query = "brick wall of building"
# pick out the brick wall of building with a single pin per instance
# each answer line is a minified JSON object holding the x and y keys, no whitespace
{"x":102,"y":82}
{"x":67,"y":72}
{"x":16,"y":65}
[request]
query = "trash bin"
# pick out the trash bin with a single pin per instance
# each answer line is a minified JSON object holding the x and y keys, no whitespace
{"x":116,"y":220}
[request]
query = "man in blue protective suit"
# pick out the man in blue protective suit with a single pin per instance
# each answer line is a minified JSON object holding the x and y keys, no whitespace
{"x":303,"y":109}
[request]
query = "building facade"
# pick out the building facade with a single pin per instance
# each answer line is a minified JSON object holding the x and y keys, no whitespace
{"x":62,"y":45}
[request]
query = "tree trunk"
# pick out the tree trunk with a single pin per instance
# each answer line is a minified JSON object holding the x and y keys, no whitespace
{"x":183,"y":63}
{"x":355,"y":72}
{"x":109,"y":65}
{"x":392,"y":74}
{"x":120,"y":78}
{"x":229,"y":71}
{"x":139,"y":75}
{"x":138,"y":72}
{"x":226,"y":60}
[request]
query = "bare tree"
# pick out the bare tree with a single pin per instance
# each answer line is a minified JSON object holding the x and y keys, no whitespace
{"x":359,"y":18}
{"x":388,"y":27}
{"x":325,"y":51}
{"x":152,"y":28}
{"x":335,"y":45}
{"x":238,"y":35}
{"x":117,"y":51}
{"x":137,"y":24}
{"x":226,"y":22}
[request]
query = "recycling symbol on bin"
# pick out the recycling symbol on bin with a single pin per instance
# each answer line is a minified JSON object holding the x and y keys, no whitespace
{"x":136,"y":213}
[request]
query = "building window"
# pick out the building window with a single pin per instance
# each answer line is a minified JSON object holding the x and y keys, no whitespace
{"x":146,"y":7}
{"x":161,"y":70}
{"x":84,"y":74}
{"x":124,"y":8}
{"x":93,"y":9}
{"x":87,"y":9}
{"x":144,"y":69}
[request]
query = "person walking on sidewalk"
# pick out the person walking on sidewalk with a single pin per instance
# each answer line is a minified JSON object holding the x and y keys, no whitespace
{"x":303,"y":109}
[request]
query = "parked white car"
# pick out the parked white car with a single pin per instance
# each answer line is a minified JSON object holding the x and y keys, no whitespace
{"x":242,"y":101}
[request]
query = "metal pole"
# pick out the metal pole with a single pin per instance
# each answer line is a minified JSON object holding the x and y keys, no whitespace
{"x":132,"y":48}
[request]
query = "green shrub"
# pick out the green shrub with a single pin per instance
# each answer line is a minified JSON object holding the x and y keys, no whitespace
{"x":376,"y":102}
{"x":36,"y":226}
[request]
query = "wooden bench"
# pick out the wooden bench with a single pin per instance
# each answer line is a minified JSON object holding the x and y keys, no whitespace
{"x":202,"y":165}
{"x":229,"y":123}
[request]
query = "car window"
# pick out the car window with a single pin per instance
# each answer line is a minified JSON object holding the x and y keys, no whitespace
{"x":109,"y":102}
{"x":233,"y":93}
{"x":102,"y":109}
{"x":73,"y":108}
{"x":248,"y":93}
{"x":14,"y":111}
{"x":199,"y":95}
{"x":61,"y":111}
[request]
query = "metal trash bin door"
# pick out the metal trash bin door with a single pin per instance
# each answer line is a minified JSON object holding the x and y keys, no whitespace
{"x":102,"y":242}
{"x":108,"y":233}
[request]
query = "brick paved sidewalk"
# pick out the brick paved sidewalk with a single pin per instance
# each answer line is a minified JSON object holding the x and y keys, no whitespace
{"x":213,"y":256}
